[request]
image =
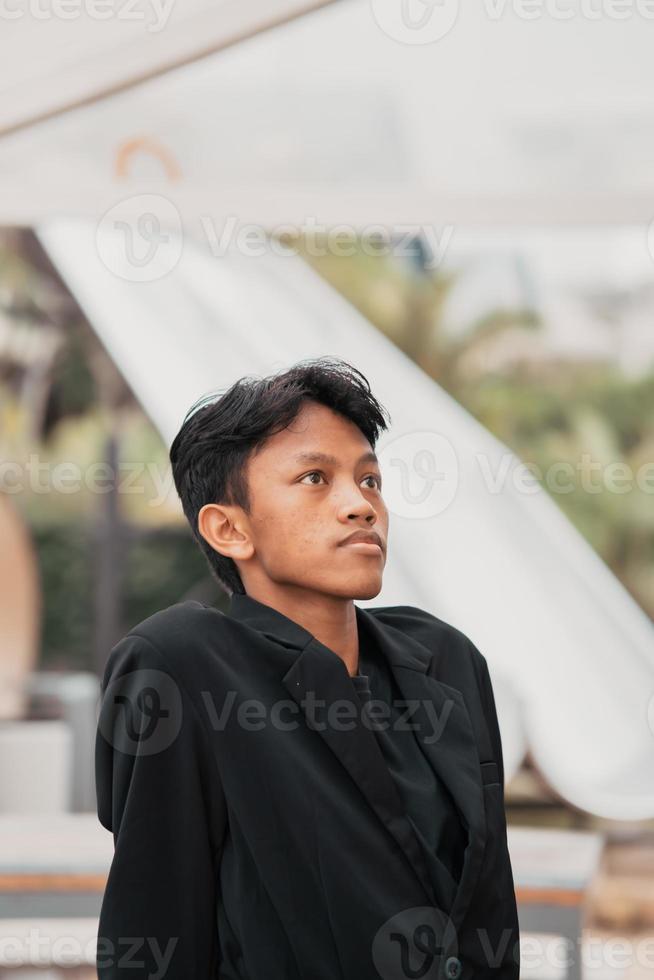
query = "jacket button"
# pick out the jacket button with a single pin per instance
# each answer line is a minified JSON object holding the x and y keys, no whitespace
{"x":452,"y":967}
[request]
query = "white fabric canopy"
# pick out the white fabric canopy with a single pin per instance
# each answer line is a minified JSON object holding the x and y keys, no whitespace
{"x":336,"y":117}
{"x":571,"y":653}
{"x":58,"y":54}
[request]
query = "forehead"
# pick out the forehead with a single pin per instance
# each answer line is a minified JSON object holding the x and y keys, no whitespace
{"x":317,"y":434}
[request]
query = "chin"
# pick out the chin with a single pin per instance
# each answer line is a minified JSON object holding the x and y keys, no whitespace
{"x":365,"y":590}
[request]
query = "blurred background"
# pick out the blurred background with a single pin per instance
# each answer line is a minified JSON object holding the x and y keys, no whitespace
{"x":460,"y":203}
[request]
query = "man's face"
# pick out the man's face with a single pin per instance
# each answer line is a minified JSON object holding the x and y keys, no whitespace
{"x":311,"y":486}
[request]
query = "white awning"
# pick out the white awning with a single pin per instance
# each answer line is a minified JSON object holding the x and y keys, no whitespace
{"x":339,"y":116}
{"x":56,"y":56}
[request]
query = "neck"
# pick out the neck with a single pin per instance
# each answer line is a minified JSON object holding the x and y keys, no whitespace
{"x":331,"y":619}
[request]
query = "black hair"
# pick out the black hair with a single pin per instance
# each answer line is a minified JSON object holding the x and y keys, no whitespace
{"x":210,"y":452}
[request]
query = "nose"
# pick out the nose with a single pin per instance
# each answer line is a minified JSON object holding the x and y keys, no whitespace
{"x":356,"y":505}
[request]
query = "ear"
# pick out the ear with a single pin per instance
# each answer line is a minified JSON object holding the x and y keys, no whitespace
{"x":226,"y":529}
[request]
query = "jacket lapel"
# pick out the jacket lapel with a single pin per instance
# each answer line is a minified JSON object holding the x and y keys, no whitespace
{"x":318,"y":674}
{"x":446,"y":736}
{"x":318,"y":677}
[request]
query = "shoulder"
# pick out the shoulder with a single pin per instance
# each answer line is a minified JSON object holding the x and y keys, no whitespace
{"x":456,"y":660}
{"x":425,"y":626}
{"x":167,"y":626}
{"x":455,"y":656}
{"x":171,"y":638}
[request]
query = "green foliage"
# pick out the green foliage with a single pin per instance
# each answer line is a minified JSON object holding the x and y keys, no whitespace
{"x":73,"y":389}
{"x":161,"y":567}
{"x":64,"y":559}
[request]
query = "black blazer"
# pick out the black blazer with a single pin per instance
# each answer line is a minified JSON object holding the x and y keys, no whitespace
{"x":258,"y":833}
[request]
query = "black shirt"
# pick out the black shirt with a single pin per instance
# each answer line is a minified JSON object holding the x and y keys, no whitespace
{"x":428,"y":804}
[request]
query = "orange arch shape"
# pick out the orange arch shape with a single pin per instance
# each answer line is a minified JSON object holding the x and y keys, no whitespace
{"x":145,"y":144}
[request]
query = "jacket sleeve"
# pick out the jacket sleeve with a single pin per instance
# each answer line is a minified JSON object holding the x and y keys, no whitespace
{"x":158,"y":792}
{"x":503,"y":874}
{"x":490,"y":709}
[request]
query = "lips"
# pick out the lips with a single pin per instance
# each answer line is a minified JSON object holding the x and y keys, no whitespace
{"x":364,"y":537}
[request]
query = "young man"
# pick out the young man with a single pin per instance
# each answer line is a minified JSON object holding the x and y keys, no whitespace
{"x":302,"y":789}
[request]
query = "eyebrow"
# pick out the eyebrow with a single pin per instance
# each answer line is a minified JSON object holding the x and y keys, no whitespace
{"x":326,"y":458}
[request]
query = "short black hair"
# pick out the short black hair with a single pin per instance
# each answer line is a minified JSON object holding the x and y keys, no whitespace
{"x":209,"y":453}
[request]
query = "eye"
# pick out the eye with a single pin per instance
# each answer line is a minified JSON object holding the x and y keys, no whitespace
{"x":312,"y":473}
{"x":377,"y":479}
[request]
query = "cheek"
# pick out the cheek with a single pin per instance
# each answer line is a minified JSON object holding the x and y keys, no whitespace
{"x":311,"y":550}
{"x":285,"y":535}
{"x":307,"y":536}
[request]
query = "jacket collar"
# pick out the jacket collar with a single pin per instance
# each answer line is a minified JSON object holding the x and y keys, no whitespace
{"x":453,"y":754}
{"x":281,"y":628}
{"x":267,"y":620}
